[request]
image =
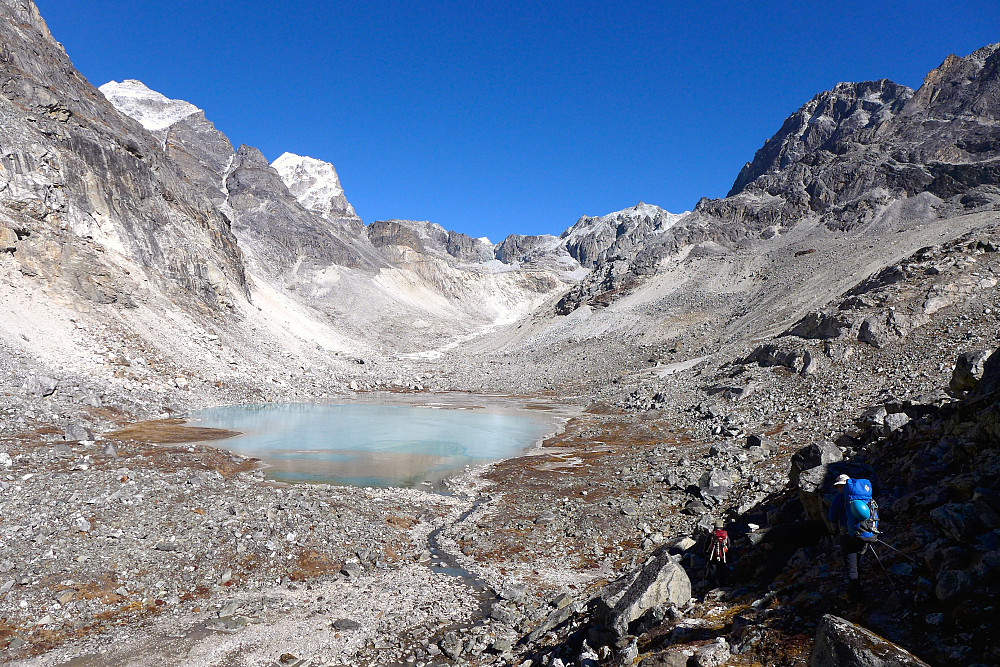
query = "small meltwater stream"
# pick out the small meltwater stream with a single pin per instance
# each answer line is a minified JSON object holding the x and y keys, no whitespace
{"x":367,"y":444}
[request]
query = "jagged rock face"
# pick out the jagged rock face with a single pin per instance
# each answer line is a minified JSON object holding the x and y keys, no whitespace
{"x":77,"y":175}
{"x":189,"y":139}
{"x":517,"y":248}
{"x":315,"y":223}
{"x":850,"y":151}
{"x":464,"y":248}
{"x":280,"y":230}
{"x":848,"y":156}
{"x":593,"y":239}
{"x":429,"y":238}
{"x":383,"y":233}
{"x":833,"y":121}
{"x":315,"y":184}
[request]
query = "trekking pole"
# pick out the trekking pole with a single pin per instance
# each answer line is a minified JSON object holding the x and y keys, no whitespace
{"x":884,"y":571}
{"x":900,"y":553}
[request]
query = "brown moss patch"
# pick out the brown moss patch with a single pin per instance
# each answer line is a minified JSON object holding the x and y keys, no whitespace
{"x":169,"y":431}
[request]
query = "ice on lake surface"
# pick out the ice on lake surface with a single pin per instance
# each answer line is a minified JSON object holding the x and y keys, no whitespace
{"x":371,"y":445}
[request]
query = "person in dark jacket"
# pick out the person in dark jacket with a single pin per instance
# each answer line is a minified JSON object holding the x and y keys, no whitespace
{"x":851,"y":547}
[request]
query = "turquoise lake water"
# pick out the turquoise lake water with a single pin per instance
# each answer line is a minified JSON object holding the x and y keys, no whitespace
{"x":371,"y":445}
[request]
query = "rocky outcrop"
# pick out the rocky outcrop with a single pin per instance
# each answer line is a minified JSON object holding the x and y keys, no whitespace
{"x":189,"y":139}
{"x":851,"y":151}
{"x":316,"y":185}
{"x":281,"y":232}
{"x":885,"y":308}
{"x":840,"y":643}
{"x":75,"y":169}
{"x":659,"y":582}
{"x":430,"y":239}
{"x":517,"y":248}
{"x":969,"y":369}
{"x":595,"y":239}
{"x":845,"y":158}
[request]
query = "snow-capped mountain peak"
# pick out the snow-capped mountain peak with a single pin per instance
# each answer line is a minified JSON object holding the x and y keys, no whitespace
{"x":314,"y":183}
{"x":153,"y":110}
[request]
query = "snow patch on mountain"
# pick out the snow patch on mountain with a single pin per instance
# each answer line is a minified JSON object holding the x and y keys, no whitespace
{"x":314,"y":183}
{"x":153,"y":110}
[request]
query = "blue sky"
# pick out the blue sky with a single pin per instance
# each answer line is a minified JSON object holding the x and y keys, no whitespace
{"x":493,"y":118}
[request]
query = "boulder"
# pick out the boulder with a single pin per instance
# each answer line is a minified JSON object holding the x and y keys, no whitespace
{"x":672,"y":658}
{"x":715,"y":484}
{"x":763,"y":443}
{"x":660,"y":581}
{"x":956,"y":520}
{"x":715,"y":654}
{"x":895,"y":421}
{"x":8,"y":240}
{"x":452,"y":645}
{"x":873,"y":332}
{"x":874,"y":416}
{"x":819,"y":453}
{"x":821,"y":326}
{"x":770,"y":354}
{"x":968,"y":370}
{"x":952,"y":585}
{"x":679,"y":479}
{"x":77,"y":432}
{"x":840,"y":643}
{"x":989,"y":382}
{"x":40,"y":385}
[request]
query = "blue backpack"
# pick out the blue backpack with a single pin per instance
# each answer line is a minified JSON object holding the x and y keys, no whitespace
{"x":861,"y":511}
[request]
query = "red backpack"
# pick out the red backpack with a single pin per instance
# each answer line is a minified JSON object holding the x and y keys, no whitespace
{"x":719,"y":545}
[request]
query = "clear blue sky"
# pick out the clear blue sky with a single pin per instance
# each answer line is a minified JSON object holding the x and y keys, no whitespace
{"x":497,"y":117}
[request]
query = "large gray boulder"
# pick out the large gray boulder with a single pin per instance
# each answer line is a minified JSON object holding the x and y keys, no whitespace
{"x":822,"y":326}
{"x":8,"y":240}
{"x":874,"y":332}
{"x":772,"y":354}
{"x":819,"y":453}
{"x":716,"y":484}
{"x":840,"y":643}
{"x":968,"y":370}
{"x":660,"y":582}
{"x":40,"y":385}
{"x":989,"y":381}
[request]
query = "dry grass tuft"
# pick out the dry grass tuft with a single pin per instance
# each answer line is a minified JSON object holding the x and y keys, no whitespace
{"x":169,"y":431}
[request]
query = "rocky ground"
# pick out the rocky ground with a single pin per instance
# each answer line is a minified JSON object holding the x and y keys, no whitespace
{"x":720,"y":364}
{"x":110,"y":538}
{"x":107,"y":535}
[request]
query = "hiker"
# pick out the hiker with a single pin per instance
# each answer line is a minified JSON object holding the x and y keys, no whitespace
{"x":854,"y":511}
{"x":718,"y":551}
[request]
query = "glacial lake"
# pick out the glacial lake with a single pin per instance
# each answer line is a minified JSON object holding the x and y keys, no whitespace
{"x":372,"y":444}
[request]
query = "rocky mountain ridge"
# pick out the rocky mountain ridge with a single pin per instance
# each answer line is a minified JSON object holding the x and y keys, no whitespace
{"x":849,"y":157}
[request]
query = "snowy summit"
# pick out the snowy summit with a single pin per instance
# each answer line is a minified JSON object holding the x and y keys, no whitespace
{"x":153,"y":110}
{"x":314,"y":183}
